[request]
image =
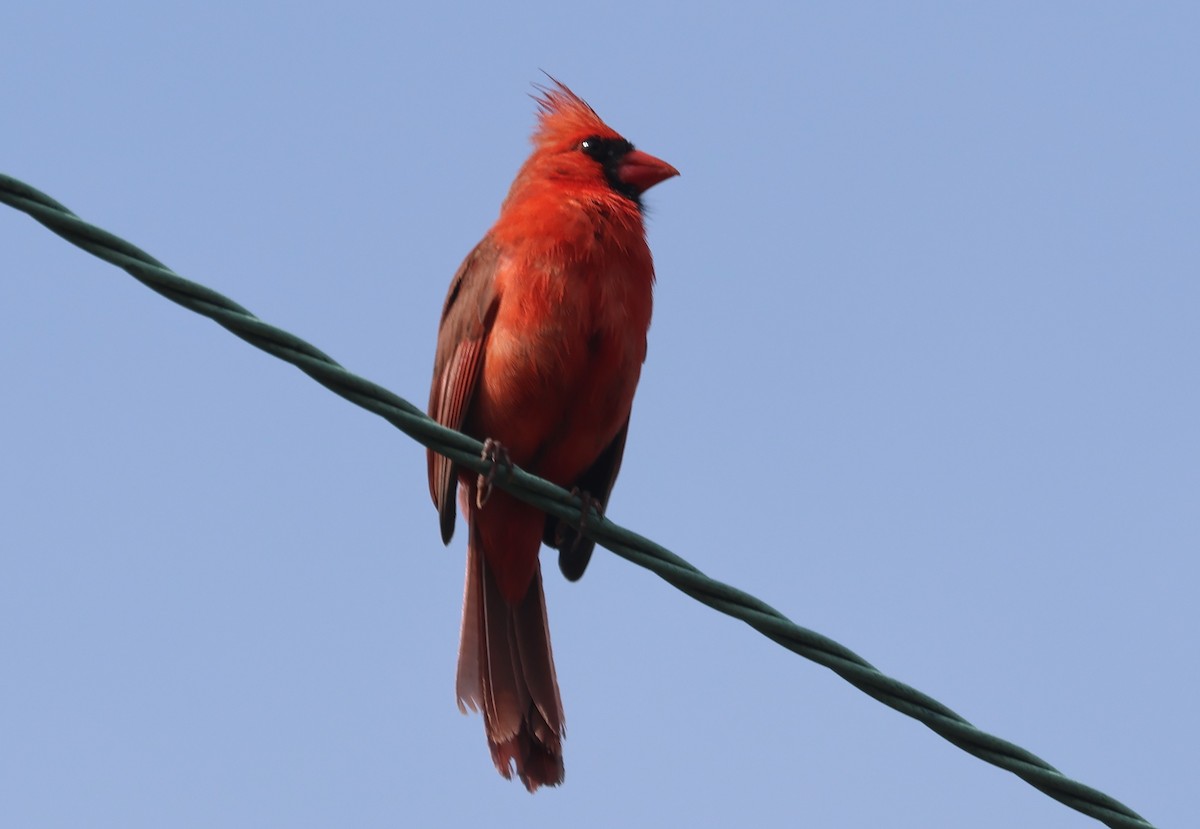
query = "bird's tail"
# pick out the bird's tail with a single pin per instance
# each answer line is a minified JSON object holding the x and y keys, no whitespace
{"x":506,"y":670}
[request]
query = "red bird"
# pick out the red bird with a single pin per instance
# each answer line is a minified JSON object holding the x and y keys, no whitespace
{"x":540,"y":347}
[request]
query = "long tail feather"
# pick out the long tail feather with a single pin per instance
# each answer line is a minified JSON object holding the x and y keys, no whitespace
{"x":506,"y":671}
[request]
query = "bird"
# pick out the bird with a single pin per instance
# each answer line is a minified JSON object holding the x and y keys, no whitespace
{"x":540,"y":347}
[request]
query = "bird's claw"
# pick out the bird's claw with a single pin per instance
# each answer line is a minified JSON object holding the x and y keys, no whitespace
{"x":495,"y":454}
{"x":588,"y":503}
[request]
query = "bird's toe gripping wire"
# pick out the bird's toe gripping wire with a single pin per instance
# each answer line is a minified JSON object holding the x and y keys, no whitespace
{"x":496,"y":455}
{"x":588,"y":503}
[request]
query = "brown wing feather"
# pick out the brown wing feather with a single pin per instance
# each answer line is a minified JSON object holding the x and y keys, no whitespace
{"x":462,"y":336}
{"x":574,"y":550}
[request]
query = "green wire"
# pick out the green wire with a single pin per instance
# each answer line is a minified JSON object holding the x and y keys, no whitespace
{"x":465,"y":451}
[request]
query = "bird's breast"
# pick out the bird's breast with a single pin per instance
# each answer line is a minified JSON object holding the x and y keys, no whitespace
{"x":563,"y":358}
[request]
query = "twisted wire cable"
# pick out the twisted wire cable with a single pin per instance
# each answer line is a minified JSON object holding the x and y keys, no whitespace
{"x":552,"y":499}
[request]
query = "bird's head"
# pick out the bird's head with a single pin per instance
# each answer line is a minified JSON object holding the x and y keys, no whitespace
{"x":573,"y":145}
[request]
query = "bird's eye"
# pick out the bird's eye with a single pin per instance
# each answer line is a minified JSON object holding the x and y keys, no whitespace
{"x":593,"y":146}
{"x":605,"y":150}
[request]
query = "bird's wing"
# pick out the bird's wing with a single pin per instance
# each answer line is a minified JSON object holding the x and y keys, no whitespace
{"x":466,"y":322}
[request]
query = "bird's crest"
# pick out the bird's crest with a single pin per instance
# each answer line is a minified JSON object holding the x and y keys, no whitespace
{"x":564,"y":118}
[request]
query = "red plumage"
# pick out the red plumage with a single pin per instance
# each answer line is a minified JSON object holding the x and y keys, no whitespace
{"x":540,"y":347}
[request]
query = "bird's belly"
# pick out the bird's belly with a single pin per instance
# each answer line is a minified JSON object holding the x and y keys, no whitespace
{"x":557,"y":399}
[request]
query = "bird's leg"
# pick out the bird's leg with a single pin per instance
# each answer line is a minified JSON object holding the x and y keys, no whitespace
{"x":495,"y":454}
{"x":589,"y":503}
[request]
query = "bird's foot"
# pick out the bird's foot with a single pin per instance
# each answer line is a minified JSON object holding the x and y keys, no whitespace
{"x":495,"y":454}
{"x":589,"y":503}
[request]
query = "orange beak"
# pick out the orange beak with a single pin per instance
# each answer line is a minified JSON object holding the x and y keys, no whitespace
{"x":642,"y":171}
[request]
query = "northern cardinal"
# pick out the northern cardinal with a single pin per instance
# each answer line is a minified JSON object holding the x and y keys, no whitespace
{"x":540,"y":347}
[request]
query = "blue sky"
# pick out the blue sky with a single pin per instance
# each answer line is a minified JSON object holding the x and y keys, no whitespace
{"x":922,"y":375}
